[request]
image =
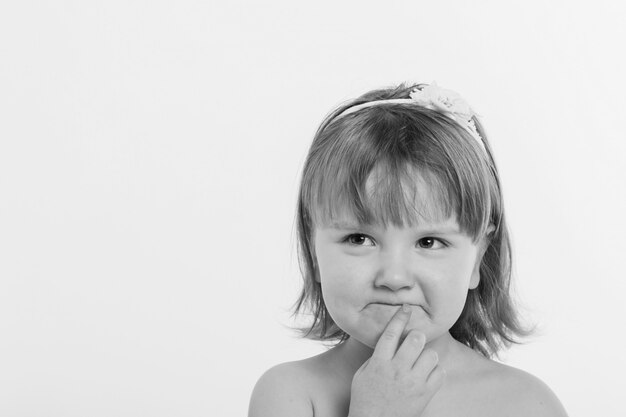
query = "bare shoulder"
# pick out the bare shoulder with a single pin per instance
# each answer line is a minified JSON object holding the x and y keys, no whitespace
{"x":523,"y":394}
{"x":282,"y":391}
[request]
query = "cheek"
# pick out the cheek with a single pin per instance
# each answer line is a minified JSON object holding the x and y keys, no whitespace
{"x":344,"y":289}
{"x":449,"y":292}
{"x":458,"y":272}
{"x":339,"y":281}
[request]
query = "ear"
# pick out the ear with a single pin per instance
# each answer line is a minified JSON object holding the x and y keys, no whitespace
{"x":475,"y":280}
{"x":484,"y":244}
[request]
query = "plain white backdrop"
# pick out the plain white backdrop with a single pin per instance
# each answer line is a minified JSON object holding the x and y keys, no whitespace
{"x":150,"y":154}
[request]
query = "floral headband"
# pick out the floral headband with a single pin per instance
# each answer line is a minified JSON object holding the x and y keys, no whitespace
{"x":435,"y":98}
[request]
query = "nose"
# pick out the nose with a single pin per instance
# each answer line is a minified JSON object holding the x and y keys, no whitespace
{"x":395,"y":271}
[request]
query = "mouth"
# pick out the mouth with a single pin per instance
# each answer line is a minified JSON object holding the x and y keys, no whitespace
{"x":380,"y":303}
{"x":394,"y":304}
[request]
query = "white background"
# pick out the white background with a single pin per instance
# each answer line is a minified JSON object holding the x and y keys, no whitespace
{"x":149,"y":161}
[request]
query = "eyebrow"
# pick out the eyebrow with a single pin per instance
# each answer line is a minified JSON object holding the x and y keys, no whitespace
{"x":430,"y":229}
{"x":344,"y":225}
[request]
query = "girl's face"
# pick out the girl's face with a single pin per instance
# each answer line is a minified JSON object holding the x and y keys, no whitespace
{"x":367,"y":272}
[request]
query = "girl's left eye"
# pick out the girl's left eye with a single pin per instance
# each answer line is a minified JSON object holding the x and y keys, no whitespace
{"x":430,"y":243}
{"x":424,"y":243}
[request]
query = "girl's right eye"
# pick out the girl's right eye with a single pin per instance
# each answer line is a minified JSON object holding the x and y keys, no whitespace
{"x":356,"y":239}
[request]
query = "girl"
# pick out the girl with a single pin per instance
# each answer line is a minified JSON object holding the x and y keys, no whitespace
{"x":406,"y":261}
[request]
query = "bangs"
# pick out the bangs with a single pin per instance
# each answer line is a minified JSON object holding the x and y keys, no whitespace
{"x":397,"y":166}
{"x":403,"y":197}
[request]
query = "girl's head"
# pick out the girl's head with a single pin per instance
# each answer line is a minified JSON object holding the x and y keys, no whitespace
{"x":400,"y":202}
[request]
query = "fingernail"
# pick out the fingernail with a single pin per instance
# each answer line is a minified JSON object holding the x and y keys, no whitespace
{"x":406,"y":308}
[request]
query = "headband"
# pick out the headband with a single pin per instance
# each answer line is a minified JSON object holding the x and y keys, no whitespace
{"x":435,"y":98}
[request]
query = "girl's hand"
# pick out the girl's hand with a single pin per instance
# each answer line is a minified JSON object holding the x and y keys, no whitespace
{"x":396,"y":383}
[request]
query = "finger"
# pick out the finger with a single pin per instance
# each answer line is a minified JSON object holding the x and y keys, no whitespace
{"x":410,"y":349}
{"x":436,"y":379}
{"x":358,"y":371}
{"x":388,"y":342}
{"x":426,"y":363}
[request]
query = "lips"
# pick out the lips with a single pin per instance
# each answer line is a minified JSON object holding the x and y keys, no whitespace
{"x":384,"y":303}
{"x":392,"y":304}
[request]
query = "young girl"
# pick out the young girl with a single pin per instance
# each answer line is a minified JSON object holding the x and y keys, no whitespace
{"x":406,"y":261}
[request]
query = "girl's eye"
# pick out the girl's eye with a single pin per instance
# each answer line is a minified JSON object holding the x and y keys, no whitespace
{"x":430,"y":243}
{"x":356,"y":239}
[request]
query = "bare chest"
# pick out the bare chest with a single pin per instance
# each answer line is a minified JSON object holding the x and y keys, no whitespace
{"x":332,"y":399}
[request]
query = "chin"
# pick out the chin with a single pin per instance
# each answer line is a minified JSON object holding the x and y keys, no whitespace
{"x":365,"y":340}
{"x":369,"y":337}
{"x":366,"y":336}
